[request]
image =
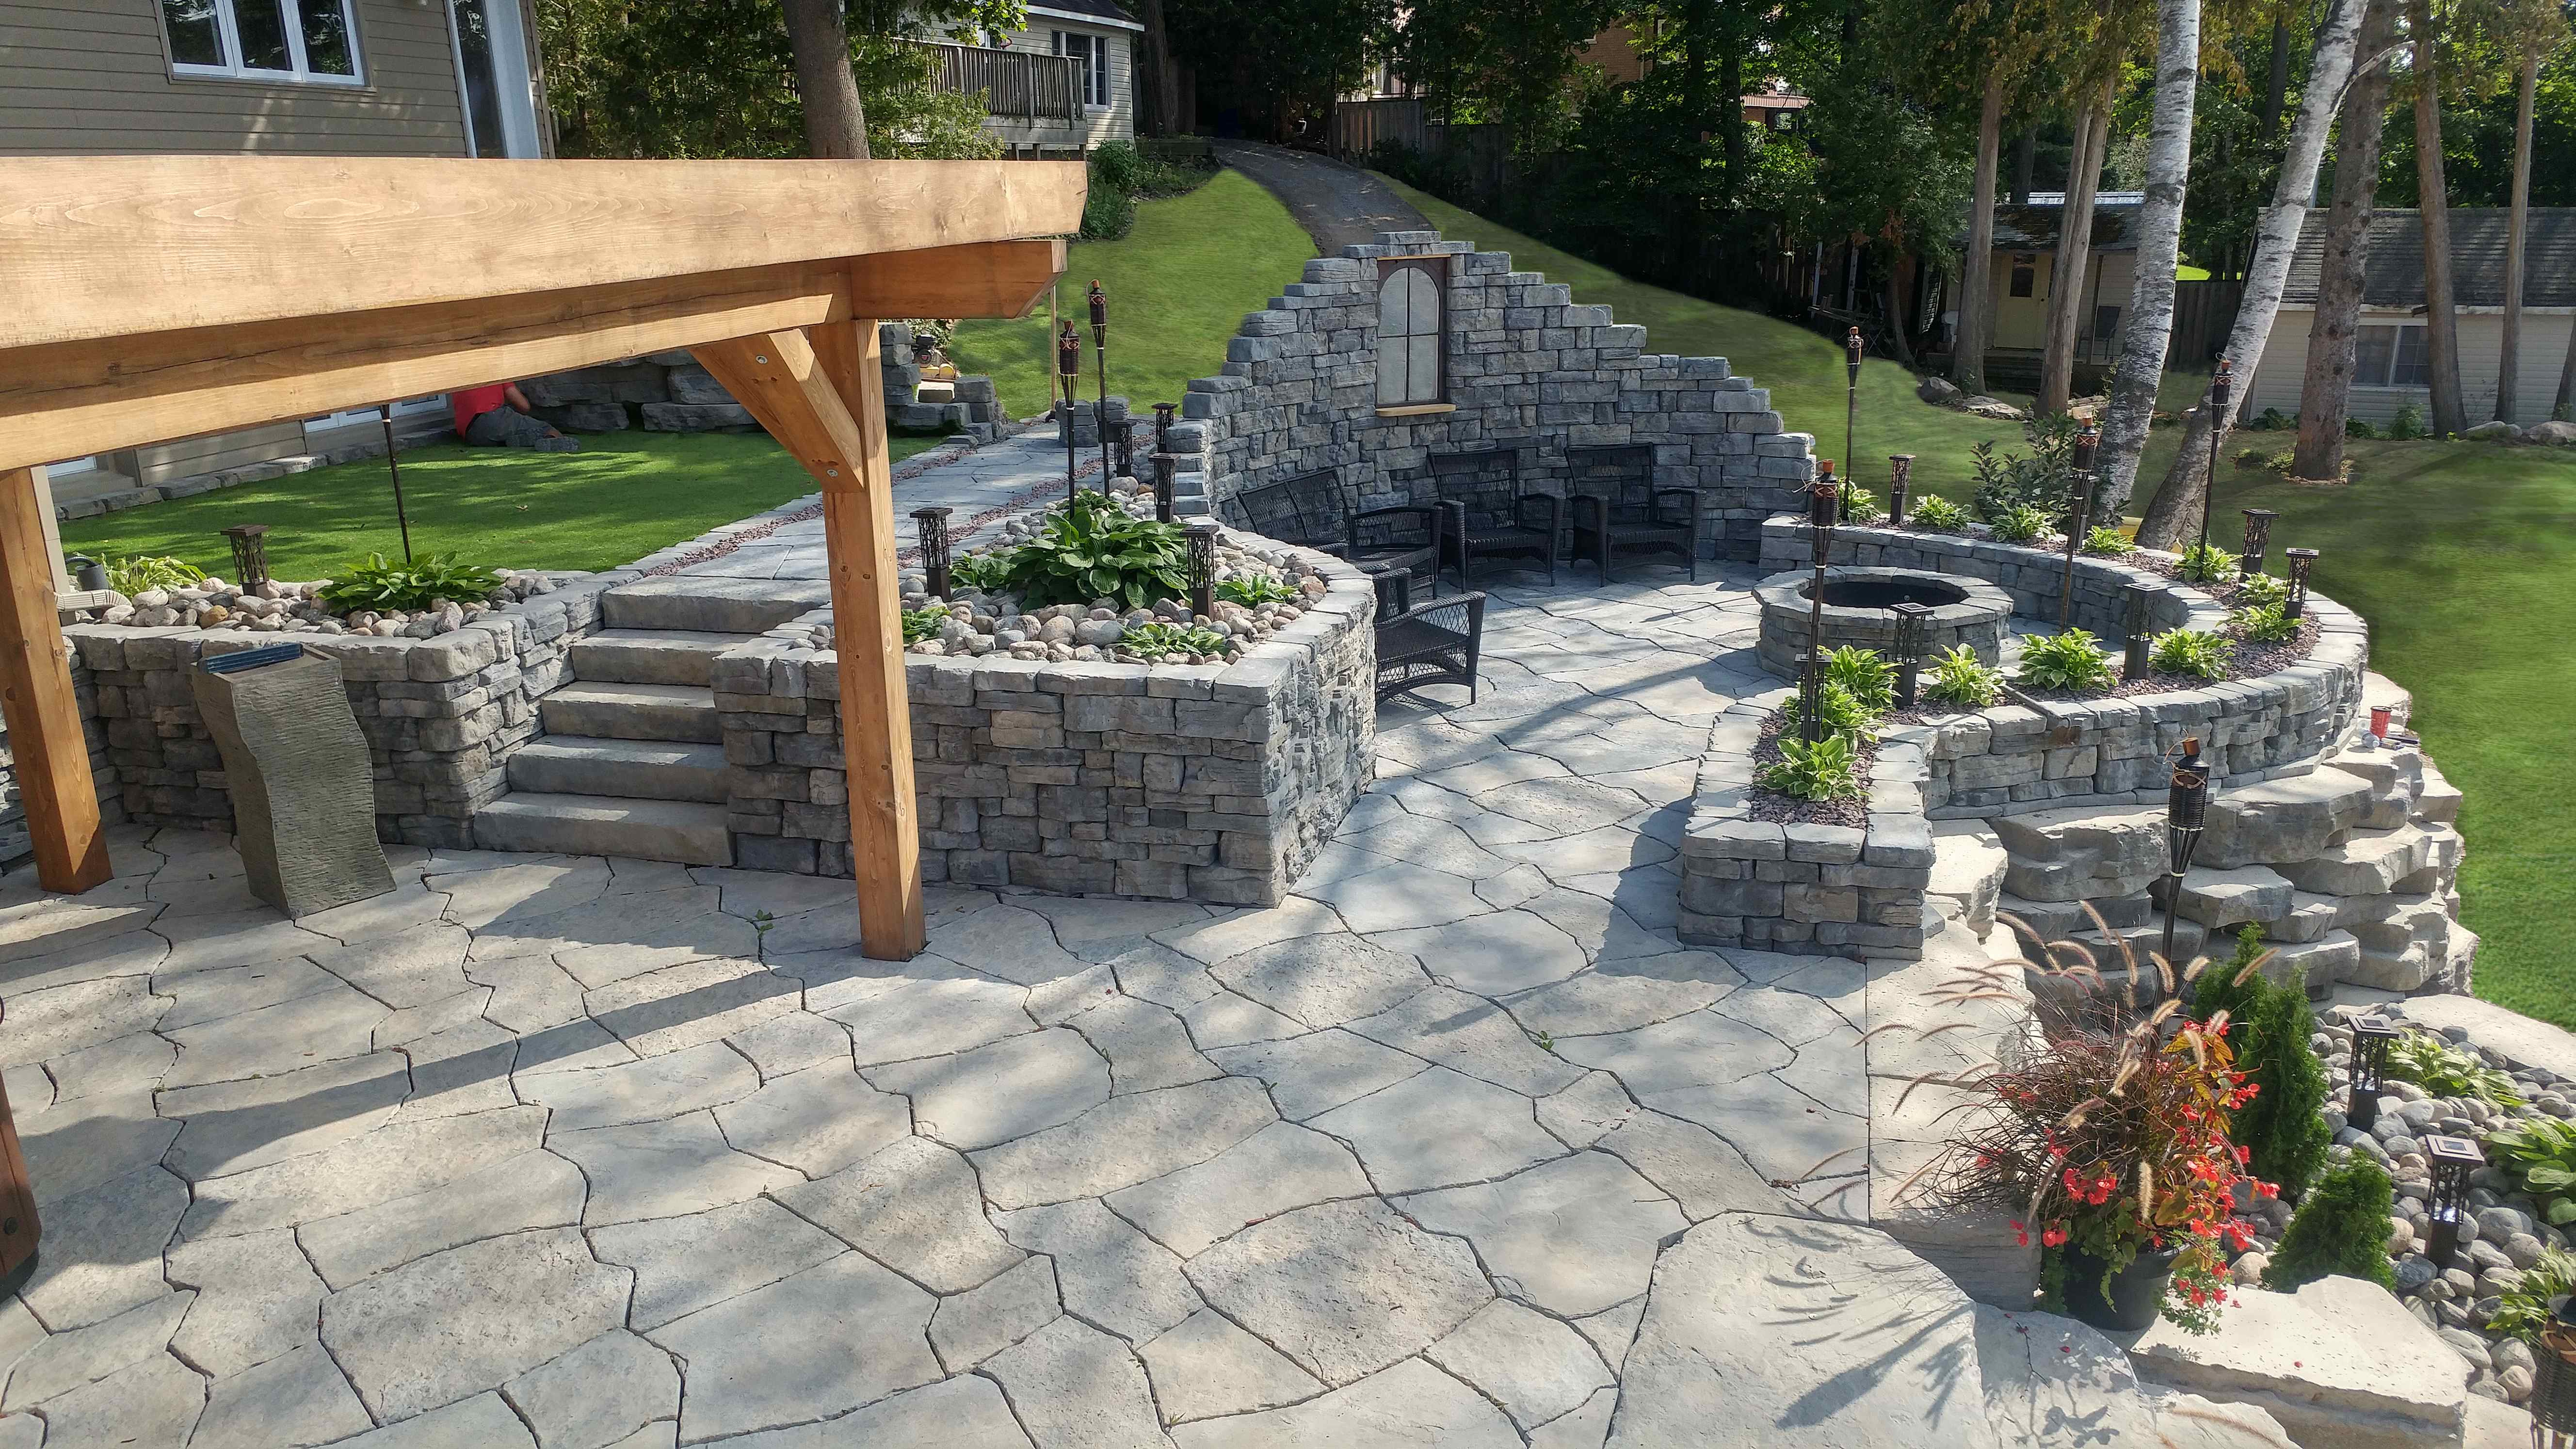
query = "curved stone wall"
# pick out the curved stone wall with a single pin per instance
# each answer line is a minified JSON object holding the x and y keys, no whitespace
{"x":1979,"y":615}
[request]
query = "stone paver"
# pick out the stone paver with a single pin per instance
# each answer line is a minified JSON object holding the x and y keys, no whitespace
{"x":567,"y":1144}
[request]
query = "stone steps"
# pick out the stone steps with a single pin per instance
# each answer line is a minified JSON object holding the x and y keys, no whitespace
{"x":630,"y":769}
{"x":715,"y":605}
{"x":688,"y":832}
{"x":670,"y":712}
{"x":651,"y":656}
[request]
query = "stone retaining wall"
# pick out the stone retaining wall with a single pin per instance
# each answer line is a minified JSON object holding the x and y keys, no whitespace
{"x":1525,"y":367}
{"x":1216,"y":783}
{"x":1802,"y":889}
{"x":15,"y":845}
{"x":668,"y":392}
{"x":2107,"y":752}
{"x":441,"y":715}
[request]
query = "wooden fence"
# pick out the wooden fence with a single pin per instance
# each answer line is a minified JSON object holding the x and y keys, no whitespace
{"x":1359,"y":127}
{"x":1014,"y":83}
{"x":2204,"y":313}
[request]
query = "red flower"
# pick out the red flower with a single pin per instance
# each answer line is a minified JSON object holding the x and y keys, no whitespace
{"x":2021,"y":1236}
{"x":2053,"y":1237}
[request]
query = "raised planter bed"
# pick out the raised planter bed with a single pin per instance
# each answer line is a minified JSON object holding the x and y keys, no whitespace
{"x":1965,"y":610}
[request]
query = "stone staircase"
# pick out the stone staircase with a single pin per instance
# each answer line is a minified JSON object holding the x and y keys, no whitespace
{"x":632,"y":759}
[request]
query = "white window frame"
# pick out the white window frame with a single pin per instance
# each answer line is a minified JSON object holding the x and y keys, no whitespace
{"x":513,"y":78}
{"x":1095,"y":65}
{"x":291,"y":13}
{"x":2396,"y":349}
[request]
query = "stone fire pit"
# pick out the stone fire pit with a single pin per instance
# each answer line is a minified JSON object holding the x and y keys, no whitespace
{"x":1857,"y":602}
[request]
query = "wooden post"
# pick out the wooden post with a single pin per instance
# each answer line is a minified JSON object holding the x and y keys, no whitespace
{"x":36,"y":701}
{"x":823,"y":398}
{"x":18,"y":1226}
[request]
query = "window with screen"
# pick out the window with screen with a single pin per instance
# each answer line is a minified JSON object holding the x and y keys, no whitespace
{"x":1410,"y":310}
{"x":2390,"y":356}
{"x":1093,"y":52}
{"x":269,"y":40}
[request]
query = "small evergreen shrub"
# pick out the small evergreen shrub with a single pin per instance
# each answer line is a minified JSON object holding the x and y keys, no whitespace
{"x":1937,"y":514}
{"x":2067,"y":661}
{"x":2235,"y":985}
{"x":2195,"y":652}
{"x":2283,"y":1128}
{"x":1959,"y":677}
{"x":2342,"y":1228}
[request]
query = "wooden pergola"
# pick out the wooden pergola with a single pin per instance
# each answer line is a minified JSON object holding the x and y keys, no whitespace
{"x":160,"y":297}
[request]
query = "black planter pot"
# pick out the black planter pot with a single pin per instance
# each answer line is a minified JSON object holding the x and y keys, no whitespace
{"x":2137,"y":1291}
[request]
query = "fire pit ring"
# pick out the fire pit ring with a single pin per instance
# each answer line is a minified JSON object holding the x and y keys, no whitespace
{"x":1857,"y":612}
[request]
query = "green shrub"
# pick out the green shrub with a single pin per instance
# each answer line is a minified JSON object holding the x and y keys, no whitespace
{"x":920,"y":624}
{"x":2282,"y":1129}
{"x":2524,"y":1310}
{"x":2409,"y":423}
{"x":2359,"y":428}
{"x":2539,"y":1154}
{"x":1158,"y":639}
{"x":1090,"y":549}
{"x":2262,"y":589}
{"x":381,"y":584}
{"x":2207,"y":563}
{"x":131,"y":576}
{"x":1864,"y":676}
{"x":1959,"y":677}
{"x":1842,"y":715}
{"x":2067,"y":661}
{"x":2235,"y":985}
{"x":2039,"y":480}
{"x":1117,"y":165}
{"x":2271,"y":420}
{"x":2195,"y":652}
{"x":2108,"y":541}
{"x":2020,"y":523}
{"x":1108,"y":214}
{"x":1254,"y":590}
{"x":2265,"y":623}
{"x":988,"y":572}
{"x":2253,"y":458}
{"x":1937,"y":514}
{"x":1858,"y":506}
{"x":2342,"y":1228}
{"x":2423,"y":1059}
{"x":1829,"y":769}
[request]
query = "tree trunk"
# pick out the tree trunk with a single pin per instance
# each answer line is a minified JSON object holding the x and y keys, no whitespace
{"x":2334,"y":330}
{"x":2026,"y":163}
{"x":1900,"y":292}
{"x":2181,"y":502}
{"x":1730,"y":107}
{"x":2074,"y":255}
{"x":2508,"y":362}
{"x":1977,"y":264}
{"x":2149,"y":325}
{"x":836,"y":123}
{"x":2276,"y":84}
{"x":1157,"y":95}
{"x":2432,"y":198}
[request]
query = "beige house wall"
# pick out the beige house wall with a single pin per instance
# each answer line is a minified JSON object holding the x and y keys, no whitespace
{"x":1113,"y":122}
{"x":2544,"y":351}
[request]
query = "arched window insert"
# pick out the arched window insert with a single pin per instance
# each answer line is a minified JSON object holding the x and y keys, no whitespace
{"x":1411,"y":323}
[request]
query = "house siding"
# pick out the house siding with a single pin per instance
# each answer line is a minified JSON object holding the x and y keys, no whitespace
{"x":2544,"y":350}
{"x":93,"y":76}
{"x":1115,"y":122}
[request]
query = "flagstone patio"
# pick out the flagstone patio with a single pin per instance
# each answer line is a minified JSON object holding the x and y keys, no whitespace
{"x":573,"y":1151}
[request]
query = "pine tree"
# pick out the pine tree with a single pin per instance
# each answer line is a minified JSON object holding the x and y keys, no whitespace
{"x":2283,"y":1127}
{"x":2341,"y":1228}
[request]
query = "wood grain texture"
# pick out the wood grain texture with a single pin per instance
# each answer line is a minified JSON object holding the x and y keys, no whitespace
{"x":113,"y":245}
{"x":981,"y":279}
{"x":822,"y":396}
{"x":36,"y":702}
{"x":19,"y":1228}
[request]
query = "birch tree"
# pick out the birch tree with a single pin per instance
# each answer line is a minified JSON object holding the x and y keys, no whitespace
{"x":2149,"y":326}
{"x":2334,"y":328}
{"x":1977,"y":266}
{"x":2176,"y":512}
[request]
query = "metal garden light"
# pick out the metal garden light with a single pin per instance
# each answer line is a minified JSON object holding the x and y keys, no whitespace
{"x":2079,"y":514}
{"x":1165,"y":467}
{"x":2221,"y":384}
{"x":1100,"y":342}
{"x":2186,"y":815}
{"x":1912,"y":625}
{"x":1852,"y":347}
{"x":2454,"y":1158}
{"x":1900,"y":469}
{"x":1823,"y":497}
{"x":1202,"y":568}
{"x":930,"y":527}
{"x":250,"y":553}
{"x":2371,"y":1038}
{"x":2141,"y":618}
{"x":1163,"y":426}
{"x":2303,"y":561}
{"x":1068,"y":373}
{"x":1126,"y":453}
{"x":2258,"y":539}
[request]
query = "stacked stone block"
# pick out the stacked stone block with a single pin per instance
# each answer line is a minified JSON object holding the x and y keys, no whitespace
{"x":667,"y":392}
{"x":1215,"y":783}
{"x":441,"y":715}
{"x":1526,"y":368}
{"x":16,"y":846}
{"x":1805,"y":890}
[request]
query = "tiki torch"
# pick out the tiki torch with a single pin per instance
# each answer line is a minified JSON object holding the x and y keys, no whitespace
{"x":2221,"y":383}
{"x":1100,"y":343}
{"x":1851,"y":392}
{"x":2079,"y":500}
{"x":1068,"y":375}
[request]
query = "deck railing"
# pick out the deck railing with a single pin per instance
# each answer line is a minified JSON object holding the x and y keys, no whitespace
{"x":1014,"y":83}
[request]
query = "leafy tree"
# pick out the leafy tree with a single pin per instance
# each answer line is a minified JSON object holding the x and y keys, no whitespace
{"x":1277,"y":66}
{"x":2341,"y":1228}
{"x":1873,"y":167}
{"x":1511,"y":61}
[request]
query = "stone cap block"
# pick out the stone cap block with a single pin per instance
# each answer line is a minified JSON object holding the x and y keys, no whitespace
{"x":2339,"y":1362}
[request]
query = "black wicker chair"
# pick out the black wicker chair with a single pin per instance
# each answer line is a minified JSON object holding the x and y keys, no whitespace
{"x":1312,"y":509}
{"x":1489,"y":513}
{"x":1437,"y":643}
{"x":1616,"y":506}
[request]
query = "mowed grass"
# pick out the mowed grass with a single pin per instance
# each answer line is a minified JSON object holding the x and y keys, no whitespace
{"x":2463,"y":558}
{"x":624,"y":495}
{"x":1178,"y":285}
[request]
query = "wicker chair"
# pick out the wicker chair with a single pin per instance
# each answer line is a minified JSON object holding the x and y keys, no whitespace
{"x":1313,"y":510}
{"x":1489,"y":514}
{"x":1616,"y":505}
{"x":1437,"y":643}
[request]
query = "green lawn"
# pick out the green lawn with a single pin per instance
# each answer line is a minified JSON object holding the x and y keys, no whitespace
{"x":1178,"y":286}
{"x":623,"y":496}
{"x":2463,"y":558}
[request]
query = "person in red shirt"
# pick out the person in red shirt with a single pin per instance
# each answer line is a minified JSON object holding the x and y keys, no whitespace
{"x":496,"y":416}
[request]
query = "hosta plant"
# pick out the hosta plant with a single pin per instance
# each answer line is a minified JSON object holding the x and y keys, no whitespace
{"x":2020,"y":523}
{"x":1858,"y":506}
{"x":380,"y":584}
{"x":1959,"y":677}
{"x":2207,"y":563}
{"x":1937,"y":514}
{"x":2539,"y":1154}
{"x":2195,"y":652}
{"x":988,"y":572}
{"x":1841,"y":713}
{"x":2255,"y":589}
{"x":1156,"y":640}
{"x":2265,"y":623}
{"x":2445,"y":1072}
{"x":2524,"y":1310}
{"x":2070,"y":662}
{"x":920,"y":624}
{"x":1864,"y":676}
{"x":1091,"y":549}
{"x":1254,"y":590}
{"x":2108,"y":542}
{"x":1829,"y":769}
{"x":131,"y":576}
